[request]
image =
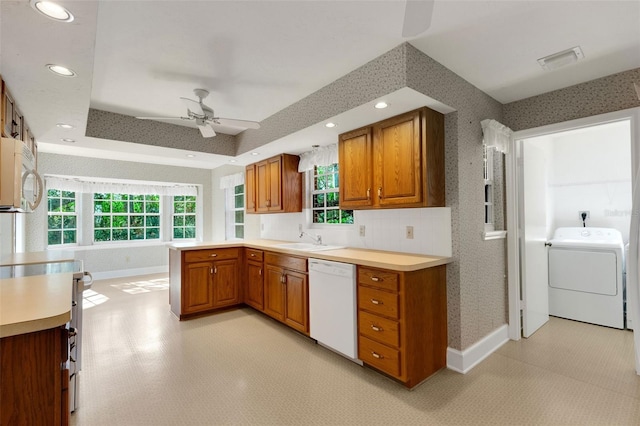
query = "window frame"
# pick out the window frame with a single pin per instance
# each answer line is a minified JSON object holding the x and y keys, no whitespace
{"x":311,"y":177}
{"x":128,"y":214}
{"x":236,"y":209}
{"x":488,"y":202}
{"x":75,"y":214}
{"x":184,"y":215}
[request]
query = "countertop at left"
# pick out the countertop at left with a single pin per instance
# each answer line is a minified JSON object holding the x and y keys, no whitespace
{"x":32,"y":258}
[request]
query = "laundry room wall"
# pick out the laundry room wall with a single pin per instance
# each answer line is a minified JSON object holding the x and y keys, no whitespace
{"x":591,"y":170}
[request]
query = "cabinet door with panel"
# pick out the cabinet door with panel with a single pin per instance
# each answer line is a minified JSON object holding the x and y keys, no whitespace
{"x":250,"y":188}
{"x":274,"y":292}
{"x":277,"y":185}
{"x":225,"y":283}
{"x":262,"y":187}
{"x":356,"y":173}
{"x":254,"y":283}
{"x":296,"y":314}
{"x":197,"y":287}
{"x":8,"y":111}
{"x":274,"y":183}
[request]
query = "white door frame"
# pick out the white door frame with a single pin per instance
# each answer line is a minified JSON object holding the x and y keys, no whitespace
{"x":512,"y":168}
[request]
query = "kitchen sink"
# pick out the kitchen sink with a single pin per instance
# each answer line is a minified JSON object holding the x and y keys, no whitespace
{"x":307,"y":246}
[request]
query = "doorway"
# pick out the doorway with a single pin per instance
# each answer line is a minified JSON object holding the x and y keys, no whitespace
{"x":546,"y":197}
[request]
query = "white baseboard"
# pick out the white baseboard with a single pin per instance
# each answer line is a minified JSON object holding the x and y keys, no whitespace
{"x":464,"y":361}
{"x":130,"y":272}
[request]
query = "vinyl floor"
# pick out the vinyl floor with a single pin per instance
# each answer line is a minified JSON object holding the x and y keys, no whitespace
{"x":141,"y":366}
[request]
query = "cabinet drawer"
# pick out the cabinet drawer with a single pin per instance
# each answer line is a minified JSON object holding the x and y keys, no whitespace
{"x":377,"y":301}
{"x":378,"y":278}
{"x":253,"y":254}
{"x":286,"y":261}
{"x":210,"y":254}
{"x":378,"y":328}
{"x":380,"y":356}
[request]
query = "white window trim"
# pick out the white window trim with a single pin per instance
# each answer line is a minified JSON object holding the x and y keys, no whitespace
{"x":309,"y":175}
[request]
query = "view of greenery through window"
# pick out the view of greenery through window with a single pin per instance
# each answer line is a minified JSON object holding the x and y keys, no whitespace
{"x":326,"y":197}
{"x":123,"y":217}
{"x":238,"y":195}
{"x":62,"y":218}
{"x":184,"y":216}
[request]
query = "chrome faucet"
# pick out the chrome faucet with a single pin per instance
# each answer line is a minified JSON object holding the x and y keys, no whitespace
{"x":317,"y":239}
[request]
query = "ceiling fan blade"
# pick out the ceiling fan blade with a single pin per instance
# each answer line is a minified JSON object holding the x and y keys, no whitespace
{"x":206,"y":130}
{"x":417,"y":17}
{"x":237,"y":123}
{"x":193,"y":106}
{"x":163,"y":118}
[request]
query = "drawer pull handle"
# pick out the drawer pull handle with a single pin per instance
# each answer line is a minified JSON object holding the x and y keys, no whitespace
{"x":213,"y":255}
{"x":376,"y":328}
{"x":376,"y":279}
{"x":376,"y":355}
{"x":368,"y":193}
{"x":376,"y":302}
{"x":253,"y":255}
{"x":380,"y":193}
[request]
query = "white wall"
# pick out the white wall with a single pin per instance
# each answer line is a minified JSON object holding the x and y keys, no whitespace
{"x":591,"y":170}
{"x":6,"y":233}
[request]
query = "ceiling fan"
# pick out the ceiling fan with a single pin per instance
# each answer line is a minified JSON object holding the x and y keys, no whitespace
{"x":417,"y":17}
{"x":205,"y":117}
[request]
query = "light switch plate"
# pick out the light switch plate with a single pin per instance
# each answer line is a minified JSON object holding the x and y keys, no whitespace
{"x":410,"y":232}
{"x":362,"y":229}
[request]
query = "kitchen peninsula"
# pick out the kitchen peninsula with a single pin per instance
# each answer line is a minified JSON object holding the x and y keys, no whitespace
{"x":401,"y":298}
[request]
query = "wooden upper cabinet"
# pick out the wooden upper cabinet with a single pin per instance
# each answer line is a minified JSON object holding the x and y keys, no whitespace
{"x":250,"y":189}
{"x":356,"y":177}
{"x":398,"y":162}
{"x":277,"y":185}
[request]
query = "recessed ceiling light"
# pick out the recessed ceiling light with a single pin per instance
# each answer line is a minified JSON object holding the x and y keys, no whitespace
{"x":190,"y":155}
{"x":64,"y":126}
{"x":52,"y":10}
{"x":381,"y":105}
{"x":255,"y":153}
{"x":560,"y":59}
{"x":330,"y":125}
{"x":60,"y":70}
{"x":68,"y":140}
{"x":233,"y":161}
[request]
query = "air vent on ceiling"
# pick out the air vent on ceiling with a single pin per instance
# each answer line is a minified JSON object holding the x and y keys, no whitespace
{"x":561,"y":59}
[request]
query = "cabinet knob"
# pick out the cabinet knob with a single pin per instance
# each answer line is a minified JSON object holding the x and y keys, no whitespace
{"x":368,"y":193}
{"x":213,"y":255}
{"x":215,"y":269}
{"x":376,"y":355}
{"x":376,"y":302}
{"x":376,"y":279}
{"x":260,"y":271}
{"x":376,"y":328}
{"x":253,"y":255}
{"x":380,"y":192}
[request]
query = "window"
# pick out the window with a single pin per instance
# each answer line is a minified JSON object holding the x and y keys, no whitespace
{"x":62,"y":218}
{"x":184,"y":216}
{"x":325,"y":202}
{"x":238,"y":212}
{"x":126,"y":217}
{"x":488,"y":188}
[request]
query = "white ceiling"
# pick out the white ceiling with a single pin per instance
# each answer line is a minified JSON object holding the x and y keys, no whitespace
{"x":258,"y":57}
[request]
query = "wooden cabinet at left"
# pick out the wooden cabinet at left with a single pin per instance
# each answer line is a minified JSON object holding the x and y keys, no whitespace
{"x":34,"y":379}
{"x":12,"y":122}
{"x":203,"y":280}
{"x":274,"y":185}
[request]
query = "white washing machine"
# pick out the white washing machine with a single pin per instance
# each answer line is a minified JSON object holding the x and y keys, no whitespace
{"x":586,"y":267}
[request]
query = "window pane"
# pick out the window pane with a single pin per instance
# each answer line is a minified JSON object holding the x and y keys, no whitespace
{"x":152,"y":197}
{"x":137,"y":221}
{"x":333,"y":199}
{"x":320,"y":183}
{"x":153,"y":220}
{"x":53,"y":193}
{"x":99,"y":196}
{"x":120,"y":235}
{"x":178,"y":233}
{"x":178,"y":221}
{"x":239,"y":216}
{"x":102,"y":207}
{"x":191,"y":207}
{"x":190,"y":232}
{"x":54,"y":237}
{"x":239,"y":189}
{"x":137,"y":207}
{"x":119,"y":197}
{"x":153,"y":233}
{"x":178,"y":207}
{"x":68,"y":205}
{"x":318,"y":216}
{"x":136,"y":234}
{"x":119,"y":206}
{"x":153,"y":207}
{"x":102,"y":235}
{"x":120,"y":222}
{"x":333,"y":216}
{"x":68,"y":194}
{"x":178,"y":198}
{"x":69,"y":222}
{"x":318,"y":200}
{"x":54,"y":204}
{"x":190,"y":220}
{"x":332,"y":181}
{"x":69,"y":237}
{"x":55,"y":222}
{"x":347,"y":216}
{"x":239,"y":201}
{"x":239,"y":231}
{"x":102,"y":221}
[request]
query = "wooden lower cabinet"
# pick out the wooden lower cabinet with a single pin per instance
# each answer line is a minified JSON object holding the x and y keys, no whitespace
{"x":402,"y":322}
{"x":254,"y":286}
{"x":33,"y":386}
{"x":286,"y":294}
{"x":203,"y":280}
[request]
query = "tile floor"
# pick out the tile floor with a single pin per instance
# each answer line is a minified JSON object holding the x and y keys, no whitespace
{"x":142,"y":366}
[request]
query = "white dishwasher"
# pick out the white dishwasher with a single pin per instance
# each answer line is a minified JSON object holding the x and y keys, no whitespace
{"x":332,"y":306}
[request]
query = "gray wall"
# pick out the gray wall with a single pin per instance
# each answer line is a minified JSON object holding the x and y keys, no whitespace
{"x":117,"y":259}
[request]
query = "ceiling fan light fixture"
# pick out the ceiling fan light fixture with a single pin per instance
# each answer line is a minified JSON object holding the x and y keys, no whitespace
{"x":561,"y":59}
{"x":52,"y":10}
{"x":60,"y":70}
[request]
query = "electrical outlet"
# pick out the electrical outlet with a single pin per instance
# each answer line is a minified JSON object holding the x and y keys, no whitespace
{"x":362,"y":230}
{"x":410,"y":232}
{"x":583,"y":211}
{"x":262,"y":226}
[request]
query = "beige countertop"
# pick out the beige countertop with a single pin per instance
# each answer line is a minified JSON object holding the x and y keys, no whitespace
{"x":365,"y":257}
{"x":34,"y":303}
{"x":31,"y":258}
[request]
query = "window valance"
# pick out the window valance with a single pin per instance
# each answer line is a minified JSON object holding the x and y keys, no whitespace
{"x":497,"y":135}
{"x":321,"y":156}
{"x":120,"y":186}
{"x":231,"y":181}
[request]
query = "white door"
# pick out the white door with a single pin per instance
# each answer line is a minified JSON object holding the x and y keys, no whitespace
{"x":533,"y":251}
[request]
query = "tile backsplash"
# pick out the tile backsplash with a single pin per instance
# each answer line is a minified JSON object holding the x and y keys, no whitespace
{"x":384,"y":229}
